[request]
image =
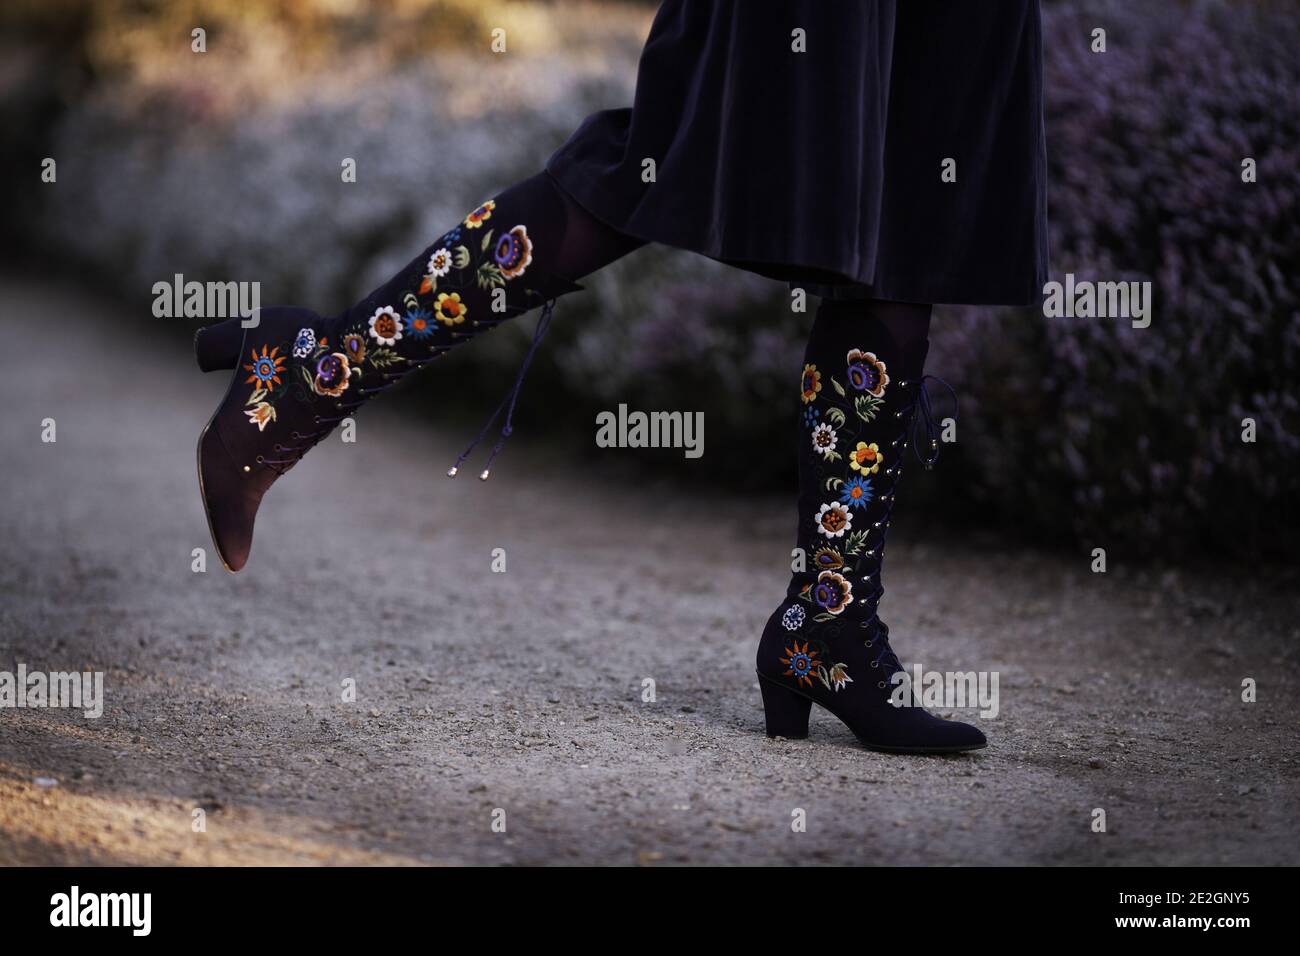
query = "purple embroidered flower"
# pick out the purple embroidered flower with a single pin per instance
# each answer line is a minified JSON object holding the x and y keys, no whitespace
{"x":867,"y":373}
{"x":833,"y":592}
{"x":332,"y":374}
{"x":514,"y":252}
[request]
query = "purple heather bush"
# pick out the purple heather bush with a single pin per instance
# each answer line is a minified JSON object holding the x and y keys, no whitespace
{"x":1087,"y":430}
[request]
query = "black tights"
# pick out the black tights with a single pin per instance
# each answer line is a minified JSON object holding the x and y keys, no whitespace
{"x":583,"y":244}
{"x":908,"y":323}
{"x":580,"y":243}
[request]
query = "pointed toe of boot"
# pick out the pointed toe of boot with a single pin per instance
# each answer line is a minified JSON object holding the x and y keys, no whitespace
{"x":227,"y":501}
{"x":956,"y":736}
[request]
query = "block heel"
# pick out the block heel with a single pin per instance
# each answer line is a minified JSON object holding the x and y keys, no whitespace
{"x":786,"y":712}
{"x":218,"y":346}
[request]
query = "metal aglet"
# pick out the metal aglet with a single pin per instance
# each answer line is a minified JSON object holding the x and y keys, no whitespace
{"x":451,"y":472}
{"x":484,"y":475}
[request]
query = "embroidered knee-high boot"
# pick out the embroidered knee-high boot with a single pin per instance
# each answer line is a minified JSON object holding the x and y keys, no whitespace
{"x":298,"y":374}
{"x":861,"y":395}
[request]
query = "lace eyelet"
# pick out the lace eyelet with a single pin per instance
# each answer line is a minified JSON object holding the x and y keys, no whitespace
{"x":880,"y":684}
{"x":260,"y":459}
{"x":875,"y":664}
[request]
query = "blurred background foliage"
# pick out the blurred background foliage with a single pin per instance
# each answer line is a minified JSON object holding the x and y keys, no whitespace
{"x":226,"y":166}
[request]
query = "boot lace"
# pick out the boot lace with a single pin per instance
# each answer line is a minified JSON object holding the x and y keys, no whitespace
{"x":507,"y":403}
{"x":917,"y":415}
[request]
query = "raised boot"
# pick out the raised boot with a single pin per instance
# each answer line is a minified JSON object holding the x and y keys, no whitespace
{"x":298,"y":374}
{"x":861,"y":395}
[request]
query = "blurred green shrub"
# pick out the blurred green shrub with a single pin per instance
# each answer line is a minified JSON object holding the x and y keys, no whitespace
{"x":1081,"y":429}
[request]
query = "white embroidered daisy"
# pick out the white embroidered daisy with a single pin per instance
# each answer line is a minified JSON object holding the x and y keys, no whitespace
{"x":833,"y":520}
{"x":824,"y":439}
{"x":386,"y":326}
{"x":792,"y":619}
{"x":440,"y":262}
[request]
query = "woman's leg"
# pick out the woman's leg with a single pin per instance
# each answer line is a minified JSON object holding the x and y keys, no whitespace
{"x":858,"y":396}
{"x":298,"y":374}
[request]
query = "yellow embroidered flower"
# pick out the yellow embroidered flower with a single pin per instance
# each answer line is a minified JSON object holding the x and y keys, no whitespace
{"x":810,"y":383}
{"x":866,"y":459}
{"x":480,"y":215}
{"x":449,"y":309}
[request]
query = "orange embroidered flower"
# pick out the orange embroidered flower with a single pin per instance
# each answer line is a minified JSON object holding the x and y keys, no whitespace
{"x":480,"y":215}
{"x":266,"y":368}
{"x":866,"y":459}
{"x":810,"y":383}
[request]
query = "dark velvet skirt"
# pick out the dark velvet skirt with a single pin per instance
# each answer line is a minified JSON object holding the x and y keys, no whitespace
{"x":826,"y":167}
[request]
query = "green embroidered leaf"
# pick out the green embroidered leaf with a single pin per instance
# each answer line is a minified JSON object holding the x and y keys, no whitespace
{"x":866,"y":406}
{"x":822,"y":675}
{"x":411,"y":302}
{"x":836,"y":417}
{"x":382,"y":358}
{"x":306,"y":375}
{"x":489,"y":276}
{"x":822,"y":618}
{"x":257,"y":396}
{"x":487,"y":241}
{"x":833,"y":484}
{"x":831,"y":455}
{"x":856,"y":542}
{"x":461,"y":259}
{"x":839,"y":389}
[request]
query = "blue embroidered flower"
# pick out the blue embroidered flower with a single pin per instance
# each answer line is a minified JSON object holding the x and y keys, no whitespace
{"x":810,"y":416}
{"x":304,"y":344}
{"x":801,"y":663}
{"x":419,"y":323}
{"x":856,"y":492}
{"x":792,"y":619}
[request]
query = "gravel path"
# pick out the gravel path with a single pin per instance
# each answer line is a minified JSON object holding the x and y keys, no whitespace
{"x":522,"y":692}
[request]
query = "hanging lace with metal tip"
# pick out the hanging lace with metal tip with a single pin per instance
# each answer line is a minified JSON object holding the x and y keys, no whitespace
{"x":507,"y":403}
{"x":922,"y":402}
